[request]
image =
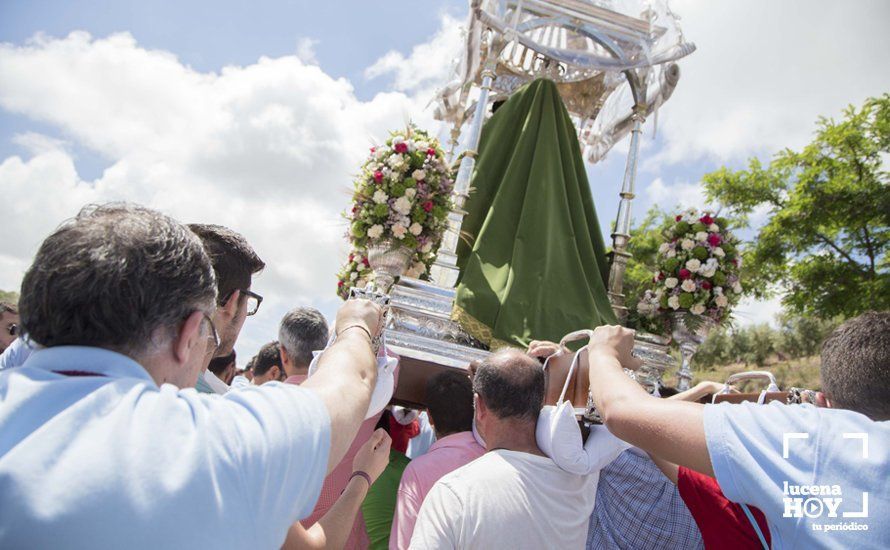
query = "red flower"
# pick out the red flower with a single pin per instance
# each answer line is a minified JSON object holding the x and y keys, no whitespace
{"x":714,"y":239}
{"x":679,"y":217}
{"x":685,"y":273}
{"x":339,"y":284}
{"x":401,"y":147}
{"x":373,"y":149}
{"x":378,"y":176}
{"x":431,"y":152}
{"x":660,"y":276}
{"x":351,"y":257}
{"x":706,"y":219}
{"x":366,"y":262}
{"x":706,"y":285}
{"x":428,"y":206}
{"x":355,"y":209}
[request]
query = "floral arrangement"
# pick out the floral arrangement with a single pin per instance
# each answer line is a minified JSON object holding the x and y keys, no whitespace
{"x":403,"y":192}
{"x":357,"y":272}
{"x":698,"y":269}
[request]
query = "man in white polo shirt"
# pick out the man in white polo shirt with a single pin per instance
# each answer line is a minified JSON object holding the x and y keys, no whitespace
{"x":819,"y":475}
{"x":99,"y":446}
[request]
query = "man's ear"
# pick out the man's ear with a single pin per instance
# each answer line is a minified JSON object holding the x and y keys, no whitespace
{"x":479,"y":406}
{"x":283,"y":354}
{"x":189,"y":336}
{"x":231,"y":305}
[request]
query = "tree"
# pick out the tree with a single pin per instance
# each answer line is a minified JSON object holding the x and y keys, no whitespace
{"x":8,"y":296}
{"x":825,"y":243}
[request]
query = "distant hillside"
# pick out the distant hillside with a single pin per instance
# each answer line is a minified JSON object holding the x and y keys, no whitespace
{"x":789,"y":373}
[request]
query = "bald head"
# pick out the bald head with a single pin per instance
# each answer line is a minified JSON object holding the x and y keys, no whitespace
{"x":511,"y":384}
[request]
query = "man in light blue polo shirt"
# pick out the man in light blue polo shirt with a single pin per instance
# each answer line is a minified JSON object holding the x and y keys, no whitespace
{"x":99,"y":446}
{"x":820,"y":475}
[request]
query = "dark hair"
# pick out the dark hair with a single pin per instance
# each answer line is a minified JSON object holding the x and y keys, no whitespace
{"x":219,"y":364}
{"x":7,"y":307}
{"x":266,"y":358}
{"x":512,"y":384}
{"x":856,"y":365}
{"x":667,"y":391}
{"x":233,"y":259}
{"x":449,"y":399}
{"x":111,"y":277}
{"x":303,"y":330}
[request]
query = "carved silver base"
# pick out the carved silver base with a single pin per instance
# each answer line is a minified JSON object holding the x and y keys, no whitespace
{"x":654,"y":352}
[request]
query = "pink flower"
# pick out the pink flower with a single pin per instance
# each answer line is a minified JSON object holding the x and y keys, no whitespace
{"x":373,"y":149}
{"x":428,"y":206}
{"x":706,"y":219}
{"x":378,"y":176}
{"x":431,"y":152}
{"x":366,"y":262}
{"x":401,"y":147}
{"x":678,"y":218}
{"x":351,"y":257}
{"x":685,"y":273}
{"x":706,"y":285}
{"x":339,"y":284}
{"x":714,"y":239}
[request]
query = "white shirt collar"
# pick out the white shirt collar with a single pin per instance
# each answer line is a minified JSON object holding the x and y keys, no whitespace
{"x":217,"y":385}
{"x":88,"y":360}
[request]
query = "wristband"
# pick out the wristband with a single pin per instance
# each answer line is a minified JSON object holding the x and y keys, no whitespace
{"x":359,"y":473}
{"x":368,"y":332}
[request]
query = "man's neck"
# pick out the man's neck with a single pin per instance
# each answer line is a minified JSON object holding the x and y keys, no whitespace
{"x":512,"y":435}
{"x":292,"y":370}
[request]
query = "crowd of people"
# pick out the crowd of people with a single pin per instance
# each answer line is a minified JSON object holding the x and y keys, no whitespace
{"x":125,"y":421}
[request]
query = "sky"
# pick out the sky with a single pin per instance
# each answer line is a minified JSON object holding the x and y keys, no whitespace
{"x":257,"y":115}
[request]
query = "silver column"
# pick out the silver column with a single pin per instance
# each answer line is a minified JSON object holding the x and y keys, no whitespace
{"x":445,"y":270}
{"x":621,"y":236}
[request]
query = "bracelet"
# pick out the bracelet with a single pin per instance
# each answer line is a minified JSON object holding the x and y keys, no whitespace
{"x":359,"y":473}
{"x":368,"y":332}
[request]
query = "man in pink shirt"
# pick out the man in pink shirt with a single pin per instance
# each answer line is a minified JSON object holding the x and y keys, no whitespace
{"x":302,"y":331}
{"x":449,"y":398}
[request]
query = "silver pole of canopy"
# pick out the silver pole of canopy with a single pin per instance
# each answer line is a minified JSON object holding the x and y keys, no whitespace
{"x":445,"y":271}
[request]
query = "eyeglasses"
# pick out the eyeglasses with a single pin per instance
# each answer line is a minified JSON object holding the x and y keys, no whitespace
{"x":213,"y":336}
{"x":13,"y":329}
{"x":253,"y":301}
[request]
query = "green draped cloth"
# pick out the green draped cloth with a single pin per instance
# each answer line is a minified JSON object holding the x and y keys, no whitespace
{"x":532,"y":258}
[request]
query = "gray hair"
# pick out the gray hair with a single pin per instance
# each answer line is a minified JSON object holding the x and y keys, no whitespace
{"x":303,"y":330}
{"x":512,"y":384}
{"x":112,"y":276}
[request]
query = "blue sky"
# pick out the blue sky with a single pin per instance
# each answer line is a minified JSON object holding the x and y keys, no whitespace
{"x":255,"y":115}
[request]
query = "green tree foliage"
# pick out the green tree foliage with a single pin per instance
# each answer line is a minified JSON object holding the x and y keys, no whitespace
{"x":825,"y":242}
{"x":8,"y":296}
{"x":645,"y":238}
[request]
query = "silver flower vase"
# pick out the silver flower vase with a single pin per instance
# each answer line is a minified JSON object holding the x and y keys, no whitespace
{"x":689,"y":331}
{"x":388,"y":259}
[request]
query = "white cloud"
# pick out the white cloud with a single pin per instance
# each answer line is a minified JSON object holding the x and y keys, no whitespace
{"x":429,"y":64}
{"x":268,"y":149}
{"x":306,"y":50}
{"x":765,"y":71}
{"x":755,"y":312}
{"x":670,"y":197}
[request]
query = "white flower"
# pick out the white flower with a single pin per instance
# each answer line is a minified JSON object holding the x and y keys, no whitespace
{"x":399,"y":230}
{"x":674,"y":302}
{"x":353,"y":276}
{"x":410,"y":192}
{"x":375,"y":231}
{"x":718,"y":252}
{"x":427,"y":248}
{"x":687,"y":244}
{"x":701,"y":236}
{"x":670,"y":253}
{"x":688,"y":286}
{"x":416,"y":228}
{"x":671,"y":282}
{"x":713,"y":228}
{"x":419,"y":175}
{"x":397,"y":139}
{"x":422,"y":145}
{"x":380,"y":197}
{"x":664,"y":248}
{"x":697,"y":309}
{"x":721,"y":300}
{"x":693,"y":265}
{"x":358,"y":258}
{"x":402,"y":205}
{"x":718,"y":290}
{"x":411,"y":146}
{"x":737,"y":288}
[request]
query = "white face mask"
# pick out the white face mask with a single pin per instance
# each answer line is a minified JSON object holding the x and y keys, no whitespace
{"x":386,"y":382}
{"x":559,"y":437}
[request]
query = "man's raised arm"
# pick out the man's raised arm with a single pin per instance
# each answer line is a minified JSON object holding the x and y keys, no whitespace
{"x":347,"y":373}
{"x":673,"y":430}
